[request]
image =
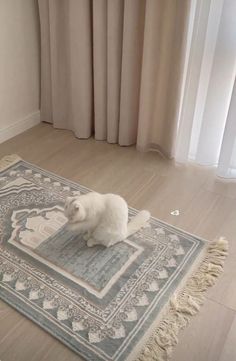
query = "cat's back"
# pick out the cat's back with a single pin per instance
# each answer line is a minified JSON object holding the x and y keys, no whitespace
{"x":115,"y":201}
{"x":115,"y":216}
{"x":108,"y":199}
{"x":91,"y":200}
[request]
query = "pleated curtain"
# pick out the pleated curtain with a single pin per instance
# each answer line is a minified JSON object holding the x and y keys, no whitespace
{"x":207,"y":126}
{"x":113,"y":69}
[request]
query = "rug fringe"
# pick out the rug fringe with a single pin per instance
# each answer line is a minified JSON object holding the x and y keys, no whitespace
{"x":8,"y":161}
{"x":185,"y":304}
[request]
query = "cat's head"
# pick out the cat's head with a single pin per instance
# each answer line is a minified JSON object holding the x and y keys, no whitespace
{"x":74,"y":210}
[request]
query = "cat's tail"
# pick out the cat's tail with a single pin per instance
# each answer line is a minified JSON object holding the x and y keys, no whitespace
{"x":137,"y":222}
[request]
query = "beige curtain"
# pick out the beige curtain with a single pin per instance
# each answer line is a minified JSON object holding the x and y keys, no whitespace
{"x":113,"y":68}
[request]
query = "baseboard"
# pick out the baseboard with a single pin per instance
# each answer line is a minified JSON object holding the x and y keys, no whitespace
{"x":19,"y":126}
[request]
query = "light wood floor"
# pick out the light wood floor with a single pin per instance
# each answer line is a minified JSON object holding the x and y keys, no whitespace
{"x":207,"y":208}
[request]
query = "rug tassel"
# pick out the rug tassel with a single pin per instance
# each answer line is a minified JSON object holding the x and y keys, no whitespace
{"x":8,"y":161}
{"x":185,"y":304}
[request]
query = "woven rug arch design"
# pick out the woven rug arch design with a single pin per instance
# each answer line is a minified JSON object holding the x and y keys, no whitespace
{"x":127,"y":302}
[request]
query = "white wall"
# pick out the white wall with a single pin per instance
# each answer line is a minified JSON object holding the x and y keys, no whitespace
{"x":19,"y":66}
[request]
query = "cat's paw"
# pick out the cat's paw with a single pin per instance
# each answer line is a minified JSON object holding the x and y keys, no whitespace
{"x":86,"y":236}
{"x":90,"y":242}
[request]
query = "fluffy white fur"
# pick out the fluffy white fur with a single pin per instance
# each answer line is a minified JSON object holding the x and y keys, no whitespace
{"x":102,"y":218}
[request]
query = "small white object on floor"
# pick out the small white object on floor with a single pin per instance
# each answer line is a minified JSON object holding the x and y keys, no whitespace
{"x":176,"y":212}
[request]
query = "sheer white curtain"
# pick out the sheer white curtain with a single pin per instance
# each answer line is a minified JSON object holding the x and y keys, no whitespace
{"x":227,"y":159}
{"x":207,"y":119}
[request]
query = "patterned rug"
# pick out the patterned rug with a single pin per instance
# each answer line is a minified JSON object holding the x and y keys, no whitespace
{"x":105,"y":304}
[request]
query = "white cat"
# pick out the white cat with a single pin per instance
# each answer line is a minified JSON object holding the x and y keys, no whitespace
{"x":102,"y":218}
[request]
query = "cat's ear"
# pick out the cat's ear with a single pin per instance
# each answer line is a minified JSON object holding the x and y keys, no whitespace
{"x":69,"y":200}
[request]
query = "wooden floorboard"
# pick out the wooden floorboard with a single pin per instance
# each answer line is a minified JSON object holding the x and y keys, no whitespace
{"x":207,"y":208}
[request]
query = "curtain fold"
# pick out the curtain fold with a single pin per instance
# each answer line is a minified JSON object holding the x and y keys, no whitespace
{"x":207,"y":130}
{"x":115,"y":20}
{"x":114,"y":69}
{"x":162,"y":71}
{"x":227,"y":159}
